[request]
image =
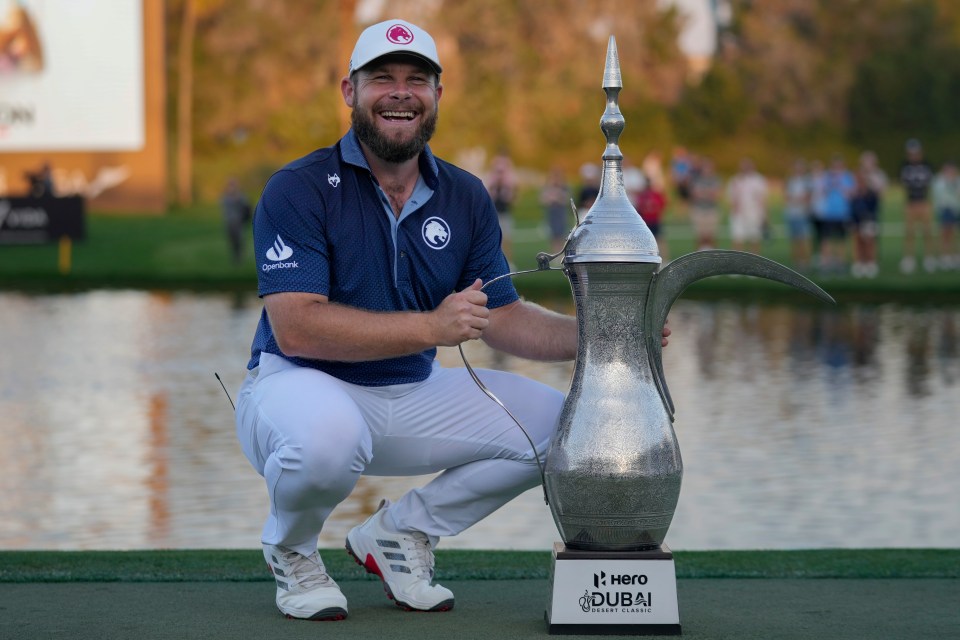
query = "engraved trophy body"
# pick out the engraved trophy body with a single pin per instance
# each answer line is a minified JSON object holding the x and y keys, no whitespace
{"x":613,"y":471}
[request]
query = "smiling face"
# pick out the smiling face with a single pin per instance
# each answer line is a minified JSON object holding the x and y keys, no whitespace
{"x":394,"y":102}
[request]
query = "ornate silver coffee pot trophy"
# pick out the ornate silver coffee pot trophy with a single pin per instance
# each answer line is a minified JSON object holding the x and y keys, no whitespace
{"x":613,"y":471}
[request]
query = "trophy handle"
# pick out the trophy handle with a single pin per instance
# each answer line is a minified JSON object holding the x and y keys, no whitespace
{"x":676,"y":276}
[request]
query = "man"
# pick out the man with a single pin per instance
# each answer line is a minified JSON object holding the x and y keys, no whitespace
{"x":502,"y":186}
{"x":235,"y":208}
{"x":651,"y":203}
{"x":916,"y":175}
{"x":359,"y":247}
{"x":747,"y":194}
{"x":705,"y":191}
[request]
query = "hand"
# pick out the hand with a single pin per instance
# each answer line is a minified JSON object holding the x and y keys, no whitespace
{"x":461,"y":316}
{"x":666,"y":334}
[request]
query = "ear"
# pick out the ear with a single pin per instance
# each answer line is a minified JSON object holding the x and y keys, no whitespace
{"x":439,"y":91}
{"x":346,"y":88}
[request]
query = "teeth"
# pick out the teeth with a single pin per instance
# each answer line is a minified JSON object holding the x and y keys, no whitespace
{"x":398,"y":114}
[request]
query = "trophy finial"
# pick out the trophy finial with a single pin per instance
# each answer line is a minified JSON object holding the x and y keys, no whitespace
{"x":611,"y":231}
{"x":611,"y":72}
{"x":612,"y":122}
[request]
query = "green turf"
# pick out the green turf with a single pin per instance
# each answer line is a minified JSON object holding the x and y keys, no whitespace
{"x":710,"y":609}
{"x":245,"y":565}
{"x":181,"y":249}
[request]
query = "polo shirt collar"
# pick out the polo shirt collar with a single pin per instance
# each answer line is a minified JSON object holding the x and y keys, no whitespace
{"x":351,"y":153}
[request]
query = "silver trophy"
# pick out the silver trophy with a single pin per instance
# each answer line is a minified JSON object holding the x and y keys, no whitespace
{"x":613,"y":471}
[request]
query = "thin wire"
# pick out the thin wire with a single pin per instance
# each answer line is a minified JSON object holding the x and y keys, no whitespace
{"x":543,"y":264}
{"x":492,"y":396}
{"x":225,"y":391}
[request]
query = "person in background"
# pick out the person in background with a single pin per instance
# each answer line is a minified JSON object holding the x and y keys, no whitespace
{"x":651,"y":203}
{"x":747,"y":194}
{"x":838,"y":188}
{"x":634,"y":179}
{"x":864,"y":214}
{"x":682,"y":170}
{"x":946,"y":202}
{"x":651,"y":168}
{"x":705,"y":192}
{"x":797,"y":195}
{"x":235,"y":207}
{"x":816,"y":208}
{"x":915,"y":176}
{"x":590,"y":174}
{"x":41,"y":182}
{"x":501,"y":183}
{"x":874,"y":184}
{"x":873,"y":175}
{"x":871,"y":182}
{"x":555,"y":199}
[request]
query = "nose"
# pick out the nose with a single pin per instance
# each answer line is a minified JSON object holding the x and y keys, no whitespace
{"x":401,"y":90}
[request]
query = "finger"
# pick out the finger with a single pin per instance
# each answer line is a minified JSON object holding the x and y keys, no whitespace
{"x":479,"y":323}
{"x":478,"y":311}
{"x":473,"y":295}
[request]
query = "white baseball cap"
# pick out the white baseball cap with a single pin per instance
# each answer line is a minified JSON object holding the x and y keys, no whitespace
{"x":393,"y":36}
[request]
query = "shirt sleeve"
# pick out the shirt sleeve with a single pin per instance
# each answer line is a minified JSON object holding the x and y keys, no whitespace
{"x":486,"y":260}
{"x":289,"y":237}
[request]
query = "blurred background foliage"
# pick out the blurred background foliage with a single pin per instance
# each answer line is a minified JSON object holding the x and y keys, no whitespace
{"x":255,"y":83}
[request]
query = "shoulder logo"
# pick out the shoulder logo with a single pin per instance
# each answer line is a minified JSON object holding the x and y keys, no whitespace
{"x":279,"y":251}
{"x":399,"y":34}
{"x":334,"y":180}
{"x":436,"y":232}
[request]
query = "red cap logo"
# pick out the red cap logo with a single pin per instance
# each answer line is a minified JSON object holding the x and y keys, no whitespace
{"x":399,"y":34}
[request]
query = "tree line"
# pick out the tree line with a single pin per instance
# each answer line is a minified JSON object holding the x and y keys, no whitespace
{"x":255,"y":83}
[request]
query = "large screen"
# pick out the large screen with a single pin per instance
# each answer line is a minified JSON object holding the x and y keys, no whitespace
{"x":71,"y":75}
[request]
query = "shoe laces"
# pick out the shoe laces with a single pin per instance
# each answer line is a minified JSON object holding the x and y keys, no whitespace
{"x":421,"y":554}
{"x":307,"y":572}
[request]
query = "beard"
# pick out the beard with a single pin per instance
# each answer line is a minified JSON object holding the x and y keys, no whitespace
{"x":388,"y":149}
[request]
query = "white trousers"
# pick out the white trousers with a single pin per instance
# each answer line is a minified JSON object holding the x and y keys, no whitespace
{"x":311,"y":436}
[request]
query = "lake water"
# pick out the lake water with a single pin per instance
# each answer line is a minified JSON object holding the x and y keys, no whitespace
{"x":800,"y":427}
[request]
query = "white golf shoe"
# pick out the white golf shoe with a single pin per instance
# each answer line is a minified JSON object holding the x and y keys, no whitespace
{"x":304,"y":590}
{"x":404,"y":561}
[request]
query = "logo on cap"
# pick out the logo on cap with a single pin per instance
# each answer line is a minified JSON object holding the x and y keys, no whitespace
{"x":399,"y":34}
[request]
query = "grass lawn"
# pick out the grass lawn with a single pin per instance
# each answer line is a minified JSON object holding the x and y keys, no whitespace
{"x":247,"y":565}
{"x":187,"y":249}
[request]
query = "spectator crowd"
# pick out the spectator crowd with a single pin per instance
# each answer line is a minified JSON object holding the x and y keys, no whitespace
{"x":831,"y":214}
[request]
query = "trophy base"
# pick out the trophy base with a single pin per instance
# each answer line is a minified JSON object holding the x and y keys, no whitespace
{"x":613,"y":593}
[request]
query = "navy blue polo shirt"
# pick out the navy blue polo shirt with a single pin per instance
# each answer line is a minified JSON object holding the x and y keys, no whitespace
{"x":324,"y":226}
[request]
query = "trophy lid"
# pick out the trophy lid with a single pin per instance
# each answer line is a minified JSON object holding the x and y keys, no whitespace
{"x":612,"y":231}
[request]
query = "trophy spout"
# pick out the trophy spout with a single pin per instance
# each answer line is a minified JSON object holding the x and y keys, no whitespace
{"x":671,"y":281}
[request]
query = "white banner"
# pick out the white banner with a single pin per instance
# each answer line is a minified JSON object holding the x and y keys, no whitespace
{"x":623,"y":591}
{"x":71,"y":75}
